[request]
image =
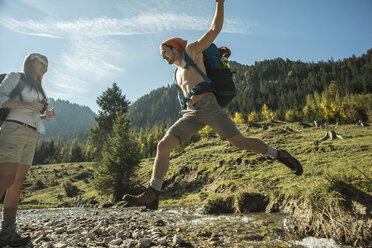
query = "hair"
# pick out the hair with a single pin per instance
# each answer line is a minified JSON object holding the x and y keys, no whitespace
{"x":29,"y":74}
{"x":166,"y":45}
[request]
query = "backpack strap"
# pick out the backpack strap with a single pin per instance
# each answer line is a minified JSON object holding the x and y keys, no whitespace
{"x":189,"y":61}
{"x":196,"y":89}
{"x":18,"y":89}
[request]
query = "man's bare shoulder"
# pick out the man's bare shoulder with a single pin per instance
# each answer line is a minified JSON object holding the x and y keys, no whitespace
{"x":192,"y":50}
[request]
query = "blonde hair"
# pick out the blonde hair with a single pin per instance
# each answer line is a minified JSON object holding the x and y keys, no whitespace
{"x":29,"y":73}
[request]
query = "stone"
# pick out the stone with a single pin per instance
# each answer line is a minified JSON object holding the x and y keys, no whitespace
{"x":144,"y":242}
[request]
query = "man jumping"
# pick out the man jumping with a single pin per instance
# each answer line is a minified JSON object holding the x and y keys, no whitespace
{"x":202,"y":109}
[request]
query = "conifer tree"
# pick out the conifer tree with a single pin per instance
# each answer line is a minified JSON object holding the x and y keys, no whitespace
{"x":75,"y":153}
{"x":112,"y":104}
{"x":120,"y":156}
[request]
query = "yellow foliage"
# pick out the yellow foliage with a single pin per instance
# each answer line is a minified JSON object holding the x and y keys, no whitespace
{"x":267,"y":113}
{"x":238,"y":118}
{"x":206,"y":132}
{"x":254,"y":117}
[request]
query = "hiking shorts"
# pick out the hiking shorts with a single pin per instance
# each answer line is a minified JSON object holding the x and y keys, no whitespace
{"x":17,"y":143}
{"x":205,"y":112}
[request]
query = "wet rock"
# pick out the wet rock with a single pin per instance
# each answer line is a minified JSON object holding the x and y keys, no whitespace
{"x":159,"y":223}
{"x":59,"y":230}
{"x":176,"y":240}
{"x":115,"y":242}
{"x":60,"y":245}
{"x":144,"y":242}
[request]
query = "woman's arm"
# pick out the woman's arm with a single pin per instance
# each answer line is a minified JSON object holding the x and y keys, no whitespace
{"x":17,"y":104}
{"x":7,"y":86}
{"x":49,"y":114}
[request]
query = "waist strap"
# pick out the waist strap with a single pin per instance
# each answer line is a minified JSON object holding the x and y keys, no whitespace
{"x":23,"y":124}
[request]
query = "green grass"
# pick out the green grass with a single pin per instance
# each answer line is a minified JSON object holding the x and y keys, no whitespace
{"x":212,"y":166}
{"x":52,"y":176}
{"x":341,"y":158}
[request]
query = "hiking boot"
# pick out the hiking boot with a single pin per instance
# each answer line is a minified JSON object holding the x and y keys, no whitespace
{"x":293,"y":164}
{"x":149,"y":199}
{"x":9,"y":236}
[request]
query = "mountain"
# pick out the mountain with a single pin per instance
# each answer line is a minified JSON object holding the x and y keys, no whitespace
{"x":71,"y":120}
{"x":158,"y":107}
{"x":280,"y":84}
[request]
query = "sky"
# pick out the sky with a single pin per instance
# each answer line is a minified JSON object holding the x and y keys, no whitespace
{"x":90,"y":44}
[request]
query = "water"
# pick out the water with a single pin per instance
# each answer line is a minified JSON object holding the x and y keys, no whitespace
{"x":238,"y":230}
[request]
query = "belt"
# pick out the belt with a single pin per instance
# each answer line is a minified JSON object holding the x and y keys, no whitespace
{"x":23,"y":124}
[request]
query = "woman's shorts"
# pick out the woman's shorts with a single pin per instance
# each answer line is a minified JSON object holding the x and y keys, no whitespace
{"x":205,"y":112}
{"x":17,"y":143}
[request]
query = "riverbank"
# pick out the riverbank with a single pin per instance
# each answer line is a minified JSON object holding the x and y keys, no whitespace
{"x":168,"y":227}
{"x":332,"y":199}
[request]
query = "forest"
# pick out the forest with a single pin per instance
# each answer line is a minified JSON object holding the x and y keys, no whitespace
{"x":326,"y":91}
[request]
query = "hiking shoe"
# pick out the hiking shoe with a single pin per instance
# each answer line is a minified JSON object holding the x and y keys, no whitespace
{"x":9,"y":236}
{"x":293,"y":164}
{"x":149,"y":199}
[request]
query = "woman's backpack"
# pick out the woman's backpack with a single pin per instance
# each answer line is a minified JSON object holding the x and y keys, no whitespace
{"x":15,"y":92}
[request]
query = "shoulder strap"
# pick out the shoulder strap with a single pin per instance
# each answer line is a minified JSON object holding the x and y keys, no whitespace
{"x":2,"y":77}
{"x":189,"y":61}
{"x":178,"y":95}
{"x":18,"y":89}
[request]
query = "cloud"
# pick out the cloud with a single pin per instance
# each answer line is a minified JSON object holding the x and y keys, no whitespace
{"x":145,"y":23}
{"x":94,"y":54}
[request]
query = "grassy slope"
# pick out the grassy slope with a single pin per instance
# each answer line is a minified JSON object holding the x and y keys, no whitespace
{"x":212,"y":166}
{"x":52,"y":176}
{"x":346,"y":159}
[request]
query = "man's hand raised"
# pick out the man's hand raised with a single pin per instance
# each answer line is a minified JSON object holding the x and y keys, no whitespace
{"x":220,"y":1}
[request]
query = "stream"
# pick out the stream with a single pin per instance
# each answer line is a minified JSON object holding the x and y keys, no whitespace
{"x":167,"y":227}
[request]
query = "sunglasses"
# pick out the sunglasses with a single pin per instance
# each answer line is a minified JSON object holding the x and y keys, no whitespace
{"x":40,"y":58}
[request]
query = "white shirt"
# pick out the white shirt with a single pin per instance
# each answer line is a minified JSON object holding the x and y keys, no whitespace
{"x":28,"y":94}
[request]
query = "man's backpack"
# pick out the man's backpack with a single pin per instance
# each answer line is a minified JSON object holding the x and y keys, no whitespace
{"x":218,"y":80}
{"x":15,"y":92}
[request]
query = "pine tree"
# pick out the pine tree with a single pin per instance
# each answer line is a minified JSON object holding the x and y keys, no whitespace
{"x":112,"y":104}
{"x":121,"y":154}
{"x":76,"y":153}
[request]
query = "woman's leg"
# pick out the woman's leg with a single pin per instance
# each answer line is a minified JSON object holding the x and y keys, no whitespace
{"x":7,"y":175}
{"x":12,"y":195}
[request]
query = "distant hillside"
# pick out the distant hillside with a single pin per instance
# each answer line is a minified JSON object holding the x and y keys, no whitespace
{"x":158,"y":107}
{"x":71,"y":120}
{"x":280,"y":84}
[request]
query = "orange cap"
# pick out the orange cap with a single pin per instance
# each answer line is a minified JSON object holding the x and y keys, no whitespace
{"x":177,"y":43}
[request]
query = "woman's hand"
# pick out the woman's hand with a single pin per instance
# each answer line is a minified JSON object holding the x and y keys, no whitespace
{"x":49,"y":114}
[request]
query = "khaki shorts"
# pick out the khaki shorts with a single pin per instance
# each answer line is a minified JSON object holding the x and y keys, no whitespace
{"x":205,"y":112}
{"x":17,"y":143}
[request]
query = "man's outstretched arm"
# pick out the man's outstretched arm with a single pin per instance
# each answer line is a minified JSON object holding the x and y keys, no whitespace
{"x":206,"y":40}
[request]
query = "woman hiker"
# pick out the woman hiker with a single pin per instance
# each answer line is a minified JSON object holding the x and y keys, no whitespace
{"x":18,"y":132}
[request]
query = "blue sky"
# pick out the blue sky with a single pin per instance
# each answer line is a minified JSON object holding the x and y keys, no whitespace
{"x":92,"y":43}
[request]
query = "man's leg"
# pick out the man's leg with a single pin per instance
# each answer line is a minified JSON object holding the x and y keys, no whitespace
{"x":252,"y":144}
{"x":258,"y":146}
{"x":161,"y":163}
{"x":150,"y":198}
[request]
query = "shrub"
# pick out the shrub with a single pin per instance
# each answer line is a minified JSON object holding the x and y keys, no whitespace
{"x":207,"y":132}
{"x":251,"y":202}
{"x":70,"y":189}
{"x":219,"y":205}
